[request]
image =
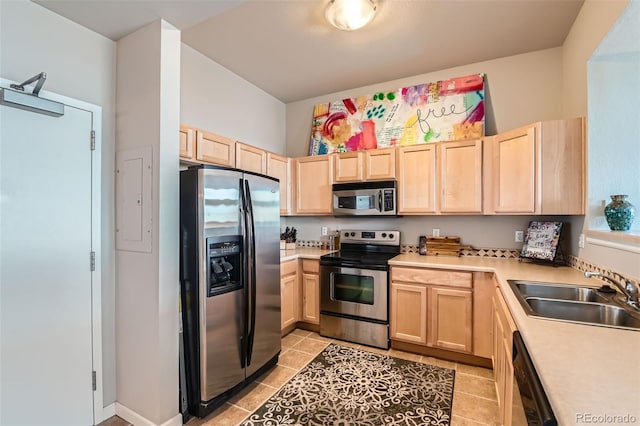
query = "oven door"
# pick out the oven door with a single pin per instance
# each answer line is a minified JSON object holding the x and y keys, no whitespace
{"x":356,"y":292}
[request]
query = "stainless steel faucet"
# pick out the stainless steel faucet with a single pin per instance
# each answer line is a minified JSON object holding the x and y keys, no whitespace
{"x":629,"y":289}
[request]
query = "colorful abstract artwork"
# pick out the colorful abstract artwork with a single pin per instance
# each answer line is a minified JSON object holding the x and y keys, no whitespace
{"x":441,"y":111}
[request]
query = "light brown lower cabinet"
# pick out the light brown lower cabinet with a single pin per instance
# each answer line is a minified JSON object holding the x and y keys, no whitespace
{"x":408,"y":320}
{"x":289,"y":290}
{"x":432,"y":308}
{"x":310,"y":291}
{"x":450,"y":320}
{"x":503,"y":328}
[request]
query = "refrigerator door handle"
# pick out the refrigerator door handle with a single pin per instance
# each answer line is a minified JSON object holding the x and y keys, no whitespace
{"x":252,"y":272}
{"x":244,"y":274}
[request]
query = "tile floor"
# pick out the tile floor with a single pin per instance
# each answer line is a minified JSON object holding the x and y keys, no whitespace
{"x":474,"y":397}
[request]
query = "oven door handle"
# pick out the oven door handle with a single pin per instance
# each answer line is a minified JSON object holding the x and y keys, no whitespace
{"x":335,"y":267}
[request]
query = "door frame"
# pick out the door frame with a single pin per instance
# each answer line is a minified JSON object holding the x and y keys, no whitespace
{"x":96,"y":240}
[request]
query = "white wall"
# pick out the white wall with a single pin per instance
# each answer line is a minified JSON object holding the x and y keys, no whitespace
{"x":593,"y":22}
{"x":147,"y":283}
{"x":79,"y":64}
{"x":612,"y":136}
{"x":215,"y":99}
{"x":476,"y":231}
{"x":519,"y":90}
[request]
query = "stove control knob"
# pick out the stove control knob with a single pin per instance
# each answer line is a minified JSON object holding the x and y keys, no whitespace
{"x":384,"y":235}
{"x":346,"y":234}
{"x":353,"y":234}
{"x":390,"y":235}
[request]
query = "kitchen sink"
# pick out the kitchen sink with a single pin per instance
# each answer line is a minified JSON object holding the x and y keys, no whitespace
{"x":573,"y":303}
{"x":558,"y":291}
{"x":592,"y":313}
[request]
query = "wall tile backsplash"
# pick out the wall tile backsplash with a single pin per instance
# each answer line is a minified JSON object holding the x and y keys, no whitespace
{"x":573,"y":261}
{"x":584,"y":265}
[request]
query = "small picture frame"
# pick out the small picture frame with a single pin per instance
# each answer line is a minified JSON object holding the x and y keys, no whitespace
{"x":542,"y":242}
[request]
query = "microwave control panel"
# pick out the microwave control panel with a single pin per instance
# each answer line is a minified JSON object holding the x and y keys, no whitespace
{"x":388,"y":198}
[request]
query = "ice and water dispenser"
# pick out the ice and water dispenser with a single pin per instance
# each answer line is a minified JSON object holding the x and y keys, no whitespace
{"x":224,"y":264}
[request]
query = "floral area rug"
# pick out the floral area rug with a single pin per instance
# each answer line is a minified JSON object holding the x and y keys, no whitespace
{"x":345,"y":386}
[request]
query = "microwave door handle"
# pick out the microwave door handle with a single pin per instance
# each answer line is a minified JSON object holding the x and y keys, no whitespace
{"x":380,"y":200}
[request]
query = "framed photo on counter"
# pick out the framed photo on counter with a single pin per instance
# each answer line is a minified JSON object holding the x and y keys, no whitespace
{"x":542,"y":242}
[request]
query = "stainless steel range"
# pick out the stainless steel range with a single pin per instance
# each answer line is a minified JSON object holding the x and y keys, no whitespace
{"x":354,"y":287}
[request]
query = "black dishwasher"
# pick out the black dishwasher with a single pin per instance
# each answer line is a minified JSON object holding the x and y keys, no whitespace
{"x":529,"y":400}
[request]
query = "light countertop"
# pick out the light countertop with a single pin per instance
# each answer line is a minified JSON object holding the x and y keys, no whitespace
{"x":585,"y":370}
{"x":303,"y":253}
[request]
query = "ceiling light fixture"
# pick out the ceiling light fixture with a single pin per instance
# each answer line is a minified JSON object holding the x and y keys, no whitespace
{"x":349,"y":15}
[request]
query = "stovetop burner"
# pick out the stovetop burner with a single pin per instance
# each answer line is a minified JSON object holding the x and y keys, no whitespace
{"x":366,"y":248}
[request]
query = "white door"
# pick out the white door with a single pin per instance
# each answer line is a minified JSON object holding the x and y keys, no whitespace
{"x":45,"y":277}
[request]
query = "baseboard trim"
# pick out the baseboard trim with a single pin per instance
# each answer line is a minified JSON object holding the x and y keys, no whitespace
{"x":107,"y":412}
{"x":442,"y":354}
{"x":308,"y":326}
{"x":139,"y":420}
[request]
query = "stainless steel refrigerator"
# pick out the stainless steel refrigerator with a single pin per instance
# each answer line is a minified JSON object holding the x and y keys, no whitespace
{"x":229,"y":280}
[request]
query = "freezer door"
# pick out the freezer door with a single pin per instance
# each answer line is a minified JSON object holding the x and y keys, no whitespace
{"x":219,"y":202}
{"x":264,"y":283}
{"x":221,"y":316}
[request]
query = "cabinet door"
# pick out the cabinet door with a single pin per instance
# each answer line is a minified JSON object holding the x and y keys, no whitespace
{"x":311,"y":298}
{"x":499,"y":358}
{"x":279,"y":167}
{"x":416,"y":170}
{"x":250,"y":158}
{"x":408,"y":321}
{"x":503,"y":328}
{"x":562,"y":167}
{"x":348,"y":167}
{"x":216,"y":149}
{"x":187,"y":143}
{"x":514,"y":171}
{"x":380,"y":164}
{"x":450,"y":319}
{"x":313,"y":179}
{"x":483,"y":290}
{"x":289,"y":298}
{"x":460,"y":176}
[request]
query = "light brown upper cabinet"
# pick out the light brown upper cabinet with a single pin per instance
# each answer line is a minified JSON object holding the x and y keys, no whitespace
{"x":460,"y":176}
{"x":443,"y":177}
{"x":416,"y":179}
{"x":279,"y":167}
{"x":536,"y":169}
{"x":313,"y":177}
{"x":358,"y":166}
{"x":348,"y":166}
{"x":187,"y":143}
{"x":215,"y":149}
{"x":251,"y":158}
{"x":380,"y":164}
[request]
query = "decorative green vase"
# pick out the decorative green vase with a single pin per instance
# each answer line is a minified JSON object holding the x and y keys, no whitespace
{"x":619,"y":213}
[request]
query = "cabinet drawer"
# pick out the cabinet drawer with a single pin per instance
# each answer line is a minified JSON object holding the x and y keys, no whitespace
{"x":289,"y":267}
{"x":311,"y":266}
{"x":432,"y":276}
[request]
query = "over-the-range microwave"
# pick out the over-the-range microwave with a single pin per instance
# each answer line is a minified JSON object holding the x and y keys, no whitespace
{"x":365,"y":199}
